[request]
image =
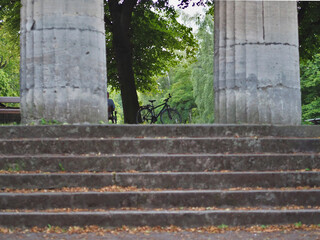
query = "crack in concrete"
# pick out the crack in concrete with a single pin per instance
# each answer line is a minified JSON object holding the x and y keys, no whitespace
{"x":263,"y":28}
{"x":264,"y":43}
{"x":256,"y":43}
{"x":237,"y":88}
{"x":68,"y":29}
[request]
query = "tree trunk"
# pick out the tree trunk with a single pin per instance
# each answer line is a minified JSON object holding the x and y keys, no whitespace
{"x":121,"y":19}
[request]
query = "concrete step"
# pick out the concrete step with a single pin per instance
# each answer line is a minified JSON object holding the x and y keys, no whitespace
{"x":159,"y":145}
{"x":183,"y":180}
{"x":160,"y":199}
{"x":159,"y":162}
{"x":77,"y":131}
{"x":119,"y":131}
{"x":247,"y":172}
{"x":159,"y":218}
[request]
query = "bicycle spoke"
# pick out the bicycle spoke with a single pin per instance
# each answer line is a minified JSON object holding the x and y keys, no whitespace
{"x":144,"y":116}
{"x":170,"y":116}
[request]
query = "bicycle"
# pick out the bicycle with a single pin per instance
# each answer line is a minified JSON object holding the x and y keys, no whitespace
{"x":147,"y":115}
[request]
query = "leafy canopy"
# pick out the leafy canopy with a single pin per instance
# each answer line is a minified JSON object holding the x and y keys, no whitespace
{"x":9,"y":48}
{"x":157,"y":39}
{"x":309,"y":28}
{"x":202,"y":73}
{"x":310,"y":87}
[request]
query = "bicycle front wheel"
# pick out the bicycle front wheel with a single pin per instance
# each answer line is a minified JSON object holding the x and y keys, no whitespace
{"x":170,"y":116}
{"x":144,"y":116}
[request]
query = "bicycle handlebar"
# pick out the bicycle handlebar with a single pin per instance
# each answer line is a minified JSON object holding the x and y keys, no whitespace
{"x":167,"y":99}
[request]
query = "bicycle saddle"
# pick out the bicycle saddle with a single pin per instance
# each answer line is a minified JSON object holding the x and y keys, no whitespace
{"x":152,"y":101}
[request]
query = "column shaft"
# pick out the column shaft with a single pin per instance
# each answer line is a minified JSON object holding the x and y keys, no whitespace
{"x":257,"y":62}
{"x":63,"y":61}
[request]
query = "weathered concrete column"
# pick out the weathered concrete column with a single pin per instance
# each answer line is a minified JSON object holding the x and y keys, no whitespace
{"x":257,"y":62}
{"x":63,"y":61}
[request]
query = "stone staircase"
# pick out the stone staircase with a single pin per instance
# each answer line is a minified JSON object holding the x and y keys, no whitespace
{"x":184,"y":175}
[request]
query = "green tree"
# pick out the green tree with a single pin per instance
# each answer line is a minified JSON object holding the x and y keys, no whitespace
{"x":182,"y":92}
{"x":309,"y":28}
{"x":309,"y":35}
{"x":145,"y":38}
{"x":202,"y":74}
{"x":5,"y":88}
{"x":10,"y":18}
{"x":310,"y":87}
{"x":10,"y":58}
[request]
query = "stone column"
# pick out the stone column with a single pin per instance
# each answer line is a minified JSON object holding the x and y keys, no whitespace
{"x":63,"y":61}
{"x":256,"y":77}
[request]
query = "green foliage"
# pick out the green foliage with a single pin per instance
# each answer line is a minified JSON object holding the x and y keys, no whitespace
{"x":14,"y":167}
{"x":49,"y":122}
{"x":5,"y":88}
{"x":157,"y":41}
{"x":223,"y":226}
{"x":310,"y":87}
{"x":61,"y":167}
{"x":202,"y":73}
{"x":309,"y":28}
{"x":10,"y":54}
{"x":10,"y":17}
{"x":9,"y":124}
{"x":182,"y":92}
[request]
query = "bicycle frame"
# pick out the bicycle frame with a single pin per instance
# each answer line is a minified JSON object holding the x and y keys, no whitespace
{"x":152,"y":108}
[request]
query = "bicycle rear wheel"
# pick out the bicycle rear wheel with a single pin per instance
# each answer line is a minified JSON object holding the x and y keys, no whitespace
{"x":170,"y":116}
{"x":144,"y":116}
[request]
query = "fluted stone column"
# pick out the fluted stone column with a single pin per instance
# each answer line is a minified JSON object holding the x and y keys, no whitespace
{"x":257,"y":62}
{"x":63,"y":61}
